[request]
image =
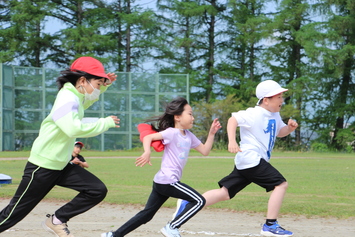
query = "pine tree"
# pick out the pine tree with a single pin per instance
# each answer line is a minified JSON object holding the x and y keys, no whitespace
{"x":290,"y":68}
{"x":246,"y":29}
{"x":331,"y":45}
{"x":175,"y":42}
{"x":24,"y":41}
{"x":192,"y":37}
{"x":130,"y":29}
{"x":82,"y":34}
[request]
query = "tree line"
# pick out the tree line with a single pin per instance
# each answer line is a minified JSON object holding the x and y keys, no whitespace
{"x":226,"y":46}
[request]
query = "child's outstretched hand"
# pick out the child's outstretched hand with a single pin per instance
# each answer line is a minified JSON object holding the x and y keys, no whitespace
{"x":112,"y":77}
{"x":292,"y":125}
{"x":215,"y":126}
{"x":115,"y":120}
{"x":143,"y":159}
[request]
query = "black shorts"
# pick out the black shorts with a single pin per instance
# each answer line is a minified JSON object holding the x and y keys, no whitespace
{"x":264,"y":175}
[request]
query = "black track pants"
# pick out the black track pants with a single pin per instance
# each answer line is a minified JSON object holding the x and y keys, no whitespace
{"x":37,"y":182}
{"x":159,"y":194}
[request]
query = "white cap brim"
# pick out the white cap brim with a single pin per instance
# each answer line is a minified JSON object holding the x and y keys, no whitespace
{"x":275,"y":92}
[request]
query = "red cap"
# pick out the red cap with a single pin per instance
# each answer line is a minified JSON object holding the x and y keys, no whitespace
{"x":89,"y":65}
{"x":79,"y":143}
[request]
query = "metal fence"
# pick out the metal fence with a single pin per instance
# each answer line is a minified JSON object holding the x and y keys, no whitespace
{"x":28,"y":94}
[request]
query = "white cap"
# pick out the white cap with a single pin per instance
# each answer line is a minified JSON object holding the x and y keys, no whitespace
{"x":268,"y":88}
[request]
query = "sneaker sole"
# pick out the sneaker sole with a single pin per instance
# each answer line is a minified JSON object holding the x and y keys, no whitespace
{"x":104,"y":234}
{"x":44,"y":226}
{"x":267,"y":233}
{"x":162,"y":231}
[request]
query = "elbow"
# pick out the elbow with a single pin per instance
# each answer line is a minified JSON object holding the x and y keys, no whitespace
{"x":71,"y":134}
{"x":74,"y":132}
{"x":282,"y":134}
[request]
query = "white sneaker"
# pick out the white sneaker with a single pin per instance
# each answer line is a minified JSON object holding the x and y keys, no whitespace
{"x":108,"y":234}
{"x":167,"y":231}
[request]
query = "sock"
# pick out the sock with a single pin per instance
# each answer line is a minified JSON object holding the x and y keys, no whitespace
{"x":270,"y":222}
{"x":56,"y":221}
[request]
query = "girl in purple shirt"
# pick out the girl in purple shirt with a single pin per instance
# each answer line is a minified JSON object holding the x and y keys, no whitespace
{"x":173,"y":130}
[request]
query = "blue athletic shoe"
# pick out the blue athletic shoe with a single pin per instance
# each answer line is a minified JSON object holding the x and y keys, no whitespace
{"x":180,"y":206}
{"x":275,"y":230}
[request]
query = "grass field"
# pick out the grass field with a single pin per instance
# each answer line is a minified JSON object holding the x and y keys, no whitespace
{"x":320,"y":184}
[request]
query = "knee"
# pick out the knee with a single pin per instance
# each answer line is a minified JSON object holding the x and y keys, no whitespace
{"x":203,"y":201}
{"x":146,"y":215}
{"x":283,"y":185}
{"x":200,"y":201}
{"x":224,"y":194}
{"x":149,"y":218}
{"x":103,"y":191}
{"x":99,"y":192}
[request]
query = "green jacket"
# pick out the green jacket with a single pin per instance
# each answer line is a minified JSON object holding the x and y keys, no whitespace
{"x":54,"y":145}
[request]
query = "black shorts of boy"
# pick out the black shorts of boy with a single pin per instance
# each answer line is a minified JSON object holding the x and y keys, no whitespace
{"x":264,"y":175}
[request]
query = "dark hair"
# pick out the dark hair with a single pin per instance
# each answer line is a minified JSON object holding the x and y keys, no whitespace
{"x":166,"y":120}
{"x":262,"y":100}
{"x":73,"y":77}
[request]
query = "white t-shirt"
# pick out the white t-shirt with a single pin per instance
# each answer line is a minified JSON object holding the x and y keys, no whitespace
{"x":176,"y":152}
{"x":258,"y":130}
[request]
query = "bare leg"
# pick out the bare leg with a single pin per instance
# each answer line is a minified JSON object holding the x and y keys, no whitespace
{"x":216,"y":195}
{"x":275,"y":200}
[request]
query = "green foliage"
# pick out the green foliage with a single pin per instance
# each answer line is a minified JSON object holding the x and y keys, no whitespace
{"x":329,"y":48}
{"x":349,"y":149}
{"x":22,"y":37}
{"x":205,"y":113}
{"x":345,"y":138}
{"x":319,"y":147}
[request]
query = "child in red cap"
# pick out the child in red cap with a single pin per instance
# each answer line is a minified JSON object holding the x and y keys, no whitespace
{"x":48,"y":164}
{"x":76,"y":158}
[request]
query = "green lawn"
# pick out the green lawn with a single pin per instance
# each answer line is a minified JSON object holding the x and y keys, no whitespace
{"x":320,"y":184}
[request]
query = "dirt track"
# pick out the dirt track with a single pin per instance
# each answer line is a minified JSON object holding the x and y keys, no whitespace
{"x":208,"y":222}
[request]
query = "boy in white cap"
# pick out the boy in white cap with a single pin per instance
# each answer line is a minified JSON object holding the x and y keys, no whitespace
{"x":259,"y":127}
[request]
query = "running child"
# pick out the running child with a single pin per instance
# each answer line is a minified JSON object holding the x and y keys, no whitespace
{"x":173,"y":130}
{"x":48,"y":165}
{"x":259,"y":127}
